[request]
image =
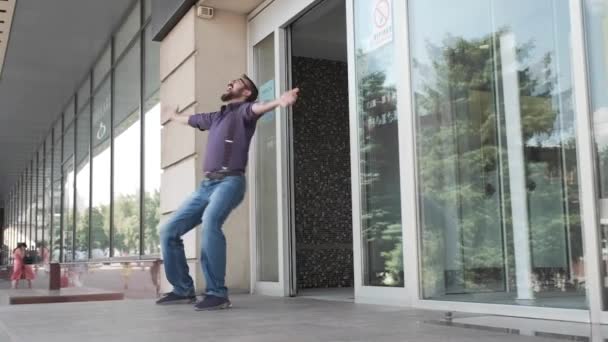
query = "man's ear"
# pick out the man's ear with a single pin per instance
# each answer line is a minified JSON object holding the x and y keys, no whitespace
{"x":247,"y":93}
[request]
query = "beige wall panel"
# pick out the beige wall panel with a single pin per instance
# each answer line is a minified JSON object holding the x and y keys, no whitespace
{"x":177,"y":141}
{"x":178,"y":45}
{"x":222,"y":57}
{"x":177,"y":183}
{"x":178,"y":89}
{"x":236,"y":230}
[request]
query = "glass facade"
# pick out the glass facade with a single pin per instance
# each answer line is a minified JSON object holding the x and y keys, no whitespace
{"x":80,"y":197}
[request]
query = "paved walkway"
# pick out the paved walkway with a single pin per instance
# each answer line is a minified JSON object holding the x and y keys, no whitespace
{"x":253,"y":318}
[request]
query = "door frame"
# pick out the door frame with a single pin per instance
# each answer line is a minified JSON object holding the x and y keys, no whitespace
{"x":276,"y":16}
{"x":279,"y":288}
{"x":588,"y":177}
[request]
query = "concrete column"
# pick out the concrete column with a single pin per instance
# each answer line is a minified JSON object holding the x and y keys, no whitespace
{"x":198,"y":58}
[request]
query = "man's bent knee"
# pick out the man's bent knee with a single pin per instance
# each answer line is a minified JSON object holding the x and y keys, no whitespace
{"x":168,"y":234}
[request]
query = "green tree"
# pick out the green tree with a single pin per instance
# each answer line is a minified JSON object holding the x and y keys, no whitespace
{"x":126,"y":224}
{"x":100,"y":228}
{"x":151,"y":222}
{"x":82,"y":231}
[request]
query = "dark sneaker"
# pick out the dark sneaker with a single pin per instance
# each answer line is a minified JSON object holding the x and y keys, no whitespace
{"x":213,"y":303}
{"x":172,"y":298}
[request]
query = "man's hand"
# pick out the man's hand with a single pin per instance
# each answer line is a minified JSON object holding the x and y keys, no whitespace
{"x":177,"y":117}
{"x":175,"y":113}
{"x":289,"y":97}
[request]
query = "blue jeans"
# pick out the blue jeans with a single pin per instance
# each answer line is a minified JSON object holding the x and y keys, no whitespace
{"x":210,"y":204}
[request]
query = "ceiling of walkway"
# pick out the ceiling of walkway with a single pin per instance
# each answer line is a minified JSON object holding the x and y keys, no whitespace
{"x":52,"y":45}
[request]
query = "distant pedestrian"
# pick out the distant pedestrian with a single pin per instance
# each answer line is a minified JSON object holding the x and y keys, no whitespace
{"x":21,"y":270}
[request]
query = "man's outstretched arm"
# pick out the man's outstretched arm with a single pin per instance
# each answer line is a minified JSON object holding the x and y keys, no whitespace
{"x":200,"y":121}
{"x":287,"y":99}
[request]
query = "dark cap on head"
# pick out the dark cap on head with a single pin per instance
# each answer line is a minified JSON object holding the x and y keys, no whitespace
{"x":252,"y":87}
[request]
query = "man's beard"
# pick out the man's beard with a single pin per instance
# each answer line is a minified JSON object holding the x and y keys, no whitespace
{"x":231,"y":95}
{"x":227,"y":96}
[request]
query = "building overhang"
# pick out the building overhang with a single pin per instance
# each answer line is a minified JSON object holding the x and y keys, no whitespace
{"x":167,"y":13}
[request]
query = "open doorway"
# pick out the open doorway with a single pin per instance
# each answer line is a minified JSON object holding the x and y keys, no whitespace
{"x":321,"y":181}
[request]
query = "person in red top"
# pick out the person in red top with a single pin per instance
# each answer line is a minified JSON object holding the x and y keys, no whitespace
{"x":20,"y":269}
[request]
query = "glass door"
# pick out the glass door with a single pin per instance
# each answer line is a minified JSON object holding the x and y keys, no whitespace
{"x":265,"y":195}
{"x":496,"y":153}
{"x":269,"y":170}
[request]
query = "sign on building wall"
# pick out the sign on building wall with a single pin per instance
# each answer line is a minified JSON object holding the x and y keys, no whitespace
{"x":382,"y":21}
{"x":101,"y":120}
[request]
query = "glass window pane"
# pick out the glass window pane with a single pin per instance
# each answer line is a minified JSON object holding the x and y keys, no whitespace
{"x":68,"y":143}
{"x":57,"y":214}
{"x":32,"y":202}
{"x":152,"y":168}
{"x":23,"y":202}
{"x":58,"y":130}
{"x":82,"y":184}
{"x":68,"y":211}
{"x":127,"y":132}
{"x":70,"y":112}
{"x":151,"y":65}
{"x":48,"y":193}
{"x":24,"y":209}
{"x":32,"y":207}
{"x":127,"y":31}
{"x":596,"y":16}
{"x":39,"y":193}
{"x":127,"y":86}
{"x":57,"y":158}
{"x":100,"y":211}
{"x":147,"y":8}
{"x":84,"y":93}
{"x":27,"y":197}
{"x":102,"y":67}
{"x":266,"y":180}
{"x":499,"y":201}
{"x":378,"y":147}
{"x":19,"y":210}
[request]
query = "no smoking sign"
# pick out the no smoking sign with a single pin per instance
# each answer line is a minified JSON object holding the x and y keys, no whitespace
{"x":381,"y":13}
{"x":382,"y":18}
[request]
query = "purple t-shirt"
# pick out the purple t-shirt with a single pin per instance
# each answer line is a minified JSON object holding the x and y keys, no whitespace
{"x":218,"y":124}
